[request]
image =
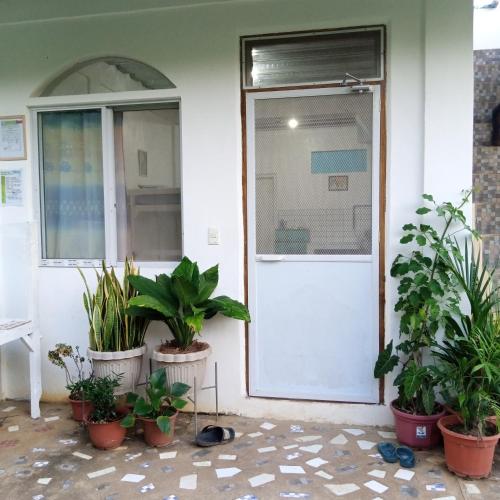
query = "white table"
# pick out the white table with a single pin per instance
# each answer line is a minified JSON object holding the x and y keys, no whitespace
{"x":22,"y":329}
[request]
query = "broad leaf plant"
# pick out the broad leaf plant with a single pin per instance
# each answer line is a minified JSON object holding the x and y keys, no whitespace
{"x":428,"y":295}
{"x":183,"y":301}
{"x":161,"y":401}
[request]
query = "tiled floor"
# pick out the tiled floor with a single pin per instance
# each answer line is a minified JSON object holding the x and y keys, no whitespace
{"x":51,"y":458}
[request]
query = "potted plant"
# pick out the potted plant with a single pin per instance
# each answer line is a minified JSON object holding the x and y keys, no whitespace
{"x":183,"y":301}
{"x":428,"y":294}
{"x":116,"y":339}
{"x":158,"y":410}
{"x":103,"y":423}
{"x":469,"y":373}
{"x":79,"y":386}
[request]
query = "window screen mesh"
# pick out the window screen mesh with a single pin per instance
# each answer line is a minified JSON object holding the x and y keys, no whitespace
{"x":312,"y":58}
{"x":314,"y":175}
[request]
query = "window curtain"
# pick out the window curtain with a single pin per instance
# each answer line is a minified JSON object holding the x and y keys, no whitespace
{"x":72,"y":183}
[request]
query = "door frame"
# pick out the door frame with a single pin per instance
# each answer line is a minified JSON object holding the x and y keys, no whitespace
{"x":379,"y":204}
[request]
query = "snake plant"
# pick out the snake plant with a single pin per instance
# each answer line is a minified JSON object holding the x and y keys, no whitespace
{"x":110,"y":328}
{"x":182,"y":300}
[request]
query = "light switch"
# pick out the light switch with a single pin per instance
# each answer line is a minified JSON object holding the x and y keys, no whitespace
{"x":213,"y":236}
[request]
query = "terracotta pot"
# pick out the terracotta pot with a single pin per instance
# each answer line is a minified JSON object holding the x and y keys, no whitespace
{"x":152,"y":434}
{"x":467,"y":456}
{"x":417,"y":431}
{"x":107,"y":435}
{"x":81,"y":409}
{"x":183,"y":367}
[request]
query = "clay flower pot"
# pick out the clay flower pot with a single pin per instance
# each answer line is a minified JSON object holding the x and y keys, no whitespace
{"x":81,"y":409}
{"x":153,"y":435}
{"x":417,"y":431}
{"x":106,"y":435}
{"x":467,"y":456}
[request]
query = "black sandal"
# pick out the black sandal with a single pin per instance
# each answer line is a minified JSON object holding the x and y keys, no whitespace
{"x":212,"y":435}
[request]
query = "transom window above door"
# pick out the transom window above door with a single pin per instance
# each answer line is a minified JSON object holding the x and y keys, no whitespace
{"x":312,"y":57}
{"x":110,"y":184}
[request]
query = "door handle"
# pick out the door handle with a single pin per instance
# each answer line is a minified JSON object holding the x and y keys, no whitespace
{"x":270,"y":258}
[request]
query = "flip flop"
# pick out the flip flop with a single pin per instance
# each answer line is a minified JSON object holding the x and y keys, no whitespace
{"x":388,"y":452}
{"x":406,"y":456}
{"x":212,"y":435}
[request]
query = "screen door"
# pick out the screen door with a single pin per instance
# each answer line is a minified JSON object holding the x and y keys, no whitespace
{"x":313,"y":167}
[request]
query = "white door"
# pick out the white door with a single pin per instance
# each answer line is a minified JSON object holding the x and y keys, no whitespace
{"x":313,"y":176}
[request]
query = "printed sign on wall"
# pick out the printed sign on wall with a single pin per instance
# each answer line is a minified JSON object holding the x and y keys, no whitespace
{"x":11,"y":188}
{"x":12,"y":138}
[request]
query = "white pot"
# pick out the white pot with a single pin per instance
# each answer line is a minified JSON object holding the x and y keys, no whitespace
{"x":128,"y":363}
{"x":183,"y":367}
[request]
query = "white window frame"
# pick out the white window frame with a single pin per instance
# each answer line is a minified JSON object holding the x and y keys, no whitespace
{"x":104,"y":103}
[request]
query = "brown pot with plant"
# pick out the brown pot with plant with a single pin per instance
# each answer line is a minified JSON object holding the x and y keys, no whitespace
{"x":468,"y":370}
{"x":80,"y":384}
{"x":427,"y":294}
{"x":158,"y":410}
{"x":103,"y":424}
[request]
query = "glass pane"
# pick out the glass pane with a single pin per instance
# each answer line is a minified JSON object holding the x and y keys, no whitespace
{"x":148,"y":184}
{"x":314,"y":175}
{"x":312,"y":58}
{"x":72,"y":184}
{"x":107,"y":74}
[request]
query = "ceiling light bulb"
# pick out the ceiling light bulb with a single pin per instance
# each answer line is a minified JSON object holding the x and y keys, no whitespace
{"x":292,"y":123}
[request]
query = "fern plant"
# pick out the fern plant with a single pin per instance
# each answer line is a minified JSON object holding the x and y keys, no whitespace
{"x":110,"y":327}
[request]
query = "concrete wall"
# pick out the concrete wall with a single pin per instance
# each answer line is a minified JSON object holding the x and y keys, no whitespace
{"x":429,"y":59}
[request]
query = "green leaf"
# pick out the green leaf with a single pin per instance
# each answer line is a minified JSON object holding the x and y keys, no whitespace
{"x":412,"y":381}
{"x":148,"y":302}
{"x":407,"y":238}
{"x":179,"y":404}
{"x":421,"y":240}
{"x":423,"y":210}
{"x":185,"y":290}
{"x":428,"y":399}
{"x":148,"y":287}
{"x":163,"y":424}
{"x":128,"y":421}
{"x":179,"y":389}
{"x":386,"y":361}
{"x":228,"y":307}
{"x":187,"y":270}
{"x":409,"y":227}
{"x":142,"y":408}
{"x":158,"y":378}
{"x":428,"y":197}
{"x":208,"y":283}
{"x":195,"y":321}
{"x":132,"y":397}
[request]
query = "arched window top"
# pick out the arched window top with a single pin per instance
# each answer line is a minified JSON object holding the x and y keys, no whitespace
{"x":106,"y":74}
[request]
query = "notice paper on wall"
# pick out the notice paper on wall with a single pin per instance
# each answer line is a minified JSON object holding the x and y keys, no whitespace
{"x":11,"y":188}
{"x":12,"y":138}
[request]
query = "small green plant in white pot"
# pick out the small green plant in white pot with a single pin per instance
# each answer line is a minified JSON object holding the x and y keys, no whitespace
{"x":183,"y":301}
{"x":116,"y":340}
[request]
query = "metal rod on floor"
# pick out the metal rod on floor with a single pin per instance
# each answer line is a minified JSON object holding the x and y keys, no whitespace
{"x":216,"y":394}
{"x":195,"y":410}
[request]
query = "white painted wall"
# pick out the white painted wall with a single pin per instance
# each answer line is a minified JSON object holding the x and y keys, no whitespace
{"x":486,"y":28}
{"x":429,"y":64}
